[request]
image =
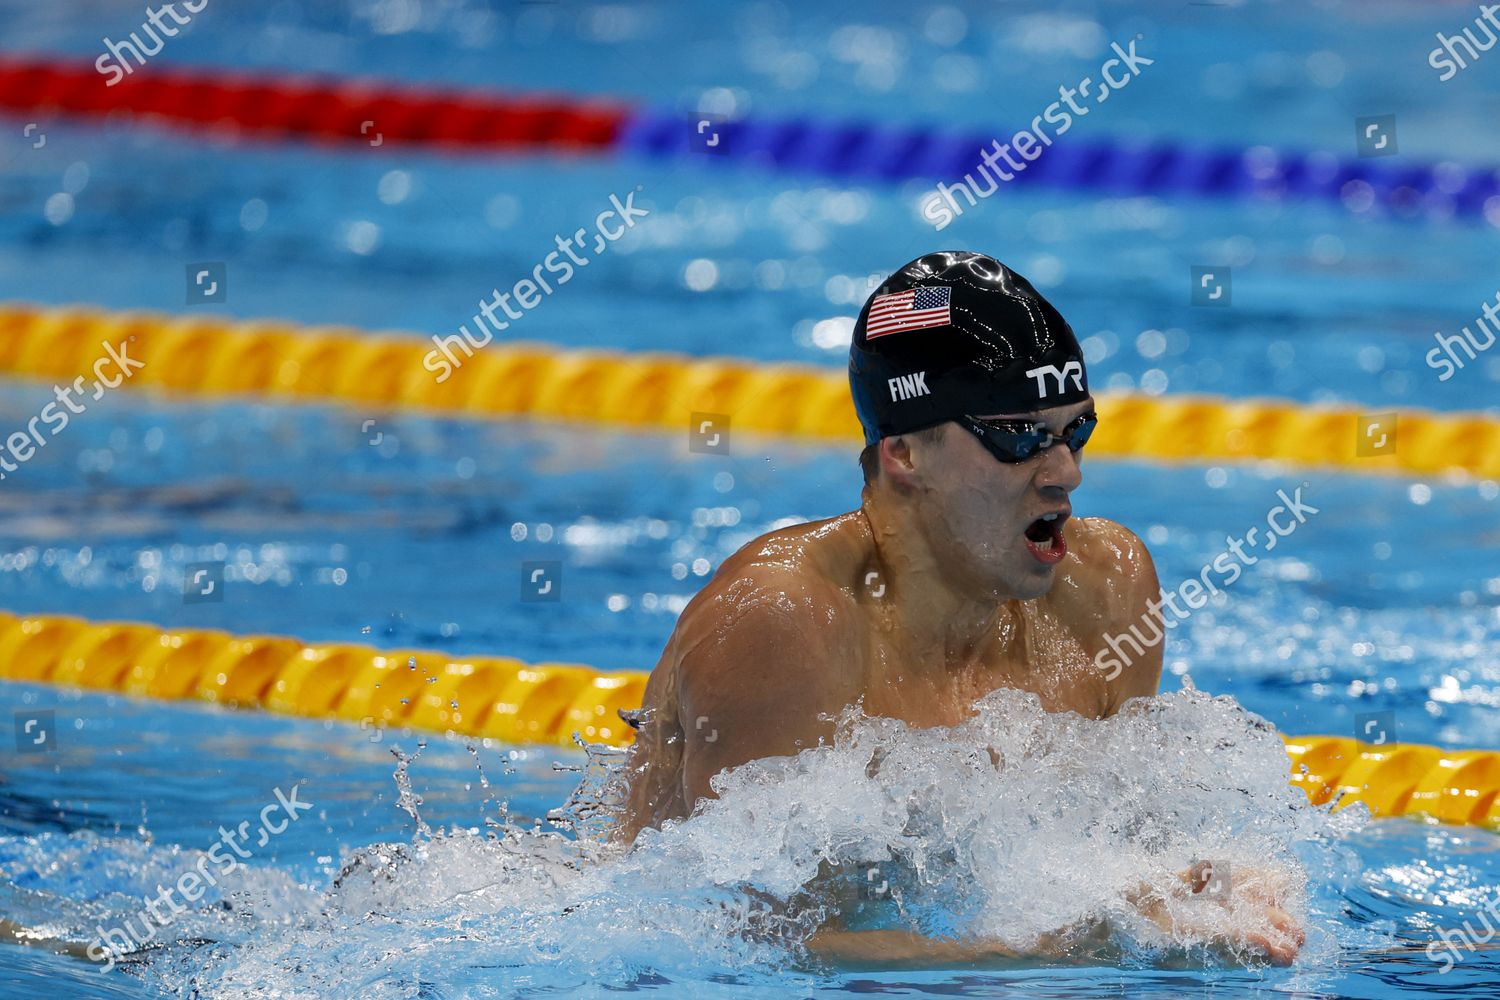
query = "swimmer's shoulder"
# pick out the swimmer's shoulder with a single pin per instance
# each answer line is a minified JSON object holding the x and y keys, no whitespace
{"x":1109,"y":573}
{"x":791,"y":582}
{"x":1098,"y":537}
{"x":814,"y":560}
{"x":1108,"y":589}
{"x":771,"y":641}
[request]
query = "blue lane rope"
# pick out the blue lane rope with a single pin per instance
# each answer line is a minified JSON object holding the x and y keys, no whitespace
{"x":859,"y":151}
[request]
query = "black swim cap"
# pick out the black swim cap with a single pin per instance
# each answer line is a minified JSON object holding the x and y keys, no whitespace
{"x":957,"y":333}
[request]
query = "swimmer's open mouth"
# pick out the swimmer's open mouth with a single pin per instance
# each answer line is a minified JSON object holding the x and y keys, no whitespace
{"x":1044,"y":538}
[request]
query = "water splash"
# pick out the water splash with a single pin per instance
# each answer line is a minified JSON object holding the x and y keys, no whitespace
{"x":1013,"y":824}
{"x":409,"y":801}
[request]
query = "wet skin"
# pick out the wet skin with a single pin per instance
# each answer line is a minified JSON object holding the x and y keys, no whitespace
{"x":923,"y":600}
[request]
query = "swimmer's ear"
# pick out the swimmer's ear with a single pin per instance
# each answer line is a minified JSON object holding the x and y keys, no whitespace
{"x":896,"y":465}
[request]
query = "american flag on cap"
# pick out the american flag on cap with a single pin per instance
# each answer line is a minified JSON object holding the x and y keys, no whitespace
{"x":913,"y":309}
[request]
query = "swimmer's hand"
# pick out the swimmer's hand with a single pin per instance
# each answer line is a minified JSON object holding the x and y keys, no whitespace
{"x":1249,"y":916}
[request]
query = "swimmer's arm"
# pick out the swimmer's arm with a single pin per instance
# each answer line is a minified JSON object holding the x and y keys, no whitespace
{"x":1258,"y":928}
{"x":906,"y":949}
{"x":758,"y":669}
{"x":654,"y":763}
{"x":739,"y":680}
{"x":14,"y":933}
{"x":835,"y":944}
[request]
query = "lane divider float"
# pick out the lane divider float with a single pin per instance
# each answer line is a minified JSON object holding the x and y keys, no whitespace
{"x":219,"y":357}
{"x":514,"y":702}
{"x":323,"y":108}
{"x":1115,"y":167}
{"x":329,"y":109}
{"x":496,"y":697}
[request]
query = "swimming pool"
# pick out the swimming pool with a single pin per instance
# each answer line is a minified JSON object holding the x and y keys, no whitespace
{"x":369,"y":524}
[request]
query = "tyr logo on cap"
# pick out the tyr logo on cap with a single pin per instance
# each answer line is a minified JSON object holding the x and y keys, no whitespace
{"x":1073,"y":369}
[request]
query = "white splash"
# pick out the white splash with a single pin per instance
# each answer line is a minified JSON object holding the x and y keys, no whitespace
{"x":1011,"y":825}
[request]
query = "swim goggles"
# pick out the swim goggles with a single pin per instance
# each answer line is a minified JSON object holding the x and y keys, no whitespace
{"x":1013,"y":441}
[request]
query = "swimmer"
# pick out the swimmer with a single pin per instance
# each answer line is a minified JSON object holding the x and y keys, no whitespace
{"x":964,"y":570}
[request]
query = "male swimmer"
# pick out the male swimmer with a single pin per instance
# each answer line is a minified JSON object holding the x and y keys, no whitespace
{"x":962,"y":571}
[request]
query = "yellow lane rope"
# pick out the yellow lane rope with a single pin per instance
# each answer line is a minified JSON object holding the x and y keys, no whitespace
{"x":496,"y":697}
{"x":223,"y":357}
{"x":515,"y":702}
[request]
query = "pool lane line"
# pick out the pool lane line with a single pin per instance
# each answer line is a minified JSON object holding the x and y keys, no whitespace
{"x":271,"y":105}
{"x":376,"y":373}
{"x":497,"y":697}
{"x":514,"y":702}
{"x":344,"y":110}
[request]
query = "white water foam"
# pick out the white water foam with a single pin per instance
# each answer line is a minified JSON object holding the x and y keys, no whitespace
{"x":1013,"y":824}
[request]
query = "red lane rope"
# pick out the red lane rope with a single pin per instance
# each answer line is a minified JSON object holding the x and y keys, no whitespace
{"x":317,"y":108}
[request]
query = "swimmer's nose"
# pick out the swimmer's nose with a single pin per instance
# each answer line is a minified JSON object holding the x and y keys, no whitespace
{"x":1059,"y":467}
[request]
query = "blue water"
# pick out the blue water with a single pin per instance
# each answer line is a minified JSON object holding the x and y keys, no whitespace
{"x":1388,"y":599}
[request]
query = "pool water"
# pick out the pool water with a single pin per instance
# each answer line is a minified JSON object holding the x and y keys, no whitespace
{"x":457,"y":915}
{"x":1301,"y":641}
{"x":1388,"y":599}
